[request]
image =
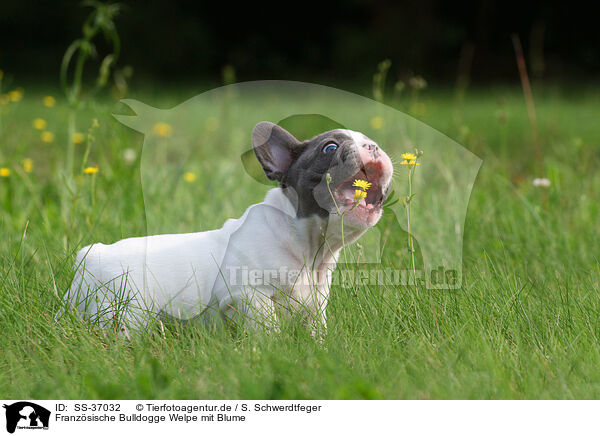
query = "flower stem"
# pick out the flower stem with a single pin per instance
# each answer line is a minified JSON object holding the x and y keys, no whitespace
{"x":411,"y":248}
{"x":341,"y":214}
{"x":93,"y":190}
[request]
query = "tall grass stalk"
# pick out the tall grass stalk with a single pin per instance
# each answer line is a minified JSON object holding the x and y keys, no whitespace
{"x":100,"y":21}
{"x":526,"y":85}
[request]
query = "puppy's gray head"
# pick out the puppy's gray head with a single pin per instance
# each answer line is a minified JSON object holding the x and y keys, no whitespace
{"x":301,"y":168}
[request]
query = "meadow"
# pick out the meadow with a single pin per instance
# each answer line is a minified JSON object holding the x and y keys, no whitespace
{"x":524,"y":324}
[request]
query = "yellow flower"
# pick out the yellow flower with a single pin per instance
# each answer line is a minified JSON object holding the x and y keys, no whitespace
{"x":377,"y":122}
{"x":362,"y":184}
{"x":162,"y":129}
{"x":91,"y":170}
{"x":47,"y":136}
{"x":359,"y":195}
{"x":189,"y":177}
{"x":39,"y":124}
{"x":409,"y":156}
{"x":27,"y":165}
{"x":4,"y":172}
{"x":4,"y":99}
{"x":49,"y":101}
{"x":410,"y":162}
{"x":16,"y":95}
{"x":78,"y":137}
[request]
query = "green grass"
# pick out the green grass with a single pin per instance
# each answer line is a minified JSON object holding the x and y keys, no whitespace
{"x":523,"y":325}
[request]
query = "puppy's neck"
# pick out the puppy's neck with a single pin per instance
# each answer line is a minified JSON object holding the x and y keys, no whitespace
{"x":315,"y":238}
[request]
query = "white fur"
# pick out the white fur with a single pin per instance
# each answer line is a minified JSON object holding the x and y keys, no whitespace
{"x":358,"y":138}
{"x":186,"y":275}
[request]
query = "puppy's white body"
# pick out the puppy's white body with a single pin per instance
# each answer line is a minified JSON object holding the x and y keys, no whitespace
{"x":186,"y":275}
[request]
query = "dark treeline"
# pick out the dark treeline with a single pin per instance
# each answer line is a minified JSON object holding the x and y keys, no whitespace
{"x":335,"y":40}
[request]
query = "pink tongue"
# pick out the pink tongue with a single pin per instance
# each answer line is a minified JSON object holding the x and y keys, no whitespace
{"x":347,"y":195}
{"x":347,"y":199}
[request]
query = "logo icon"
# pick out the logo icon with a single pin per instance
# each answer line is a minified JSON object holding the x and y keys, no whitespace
{"x":26,"y":415}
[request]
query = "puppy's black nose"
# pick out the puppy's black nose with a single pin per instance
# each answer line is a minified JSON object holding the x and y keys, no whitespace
{"x":371,"y":147}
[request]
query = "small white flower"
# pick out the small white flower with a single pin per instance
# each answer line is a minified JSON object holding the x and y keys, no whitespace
{"x":543,"y":183}
{"x":129,"y":156}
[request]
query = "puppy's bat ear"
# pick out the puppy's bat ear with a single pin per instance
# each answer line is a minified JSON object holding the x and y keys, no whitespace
{"x":274,"y":147}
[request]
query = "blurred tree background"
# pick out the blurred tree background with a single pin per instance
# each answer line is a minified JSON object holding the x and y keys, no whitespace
{"x":334,"y":42}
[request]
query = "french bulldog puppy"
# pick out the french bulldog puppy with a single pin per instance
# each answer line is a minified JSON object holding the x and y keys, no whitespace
{"x":279,"y":254}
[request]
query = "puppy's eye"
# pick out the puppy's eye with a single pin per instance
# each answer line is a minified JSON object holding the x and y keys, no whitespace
{"x":330,"y":147}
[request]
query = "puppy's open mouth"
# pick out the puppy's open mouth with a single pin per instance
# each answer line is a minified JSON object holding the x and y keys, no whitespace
{"x":371,"y":172}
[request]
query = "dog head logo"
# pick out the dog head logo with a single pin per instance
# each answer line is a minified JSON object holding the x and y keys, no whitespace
{"x":207,"y":134}
{"x":26,"y":415}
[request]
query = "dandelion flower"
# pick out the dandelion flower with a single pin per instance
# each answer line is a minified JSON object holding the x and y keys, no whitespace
{"x":16,"y":95}
{"x":361,"y":192}
{"x":49,"y":101}
{"x":410,"y":162}
{"x":47,"y":137}
{"x":4,"y":172}
{"x":78,"y":137}
{"x":408,"y":156}
{"x":27,"y":165}
{"x":362,"y":184}
{"x":163,"y":129}
{"x":359,"y":195}
{"x":377,"y":122}
{"x":90,"y":170}
{"x":189,"y":177}
{"x":39,"y":124}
